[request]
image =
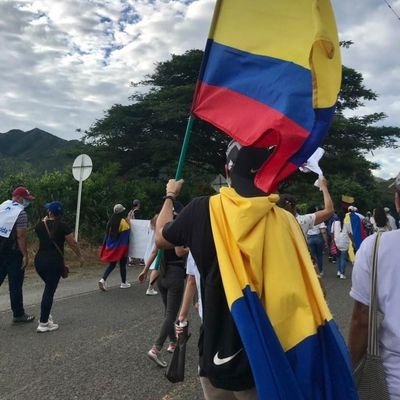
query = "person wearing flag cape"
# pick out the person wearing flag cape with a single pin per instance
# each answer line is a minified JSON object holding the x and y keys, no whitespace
{"x":267,"y":332}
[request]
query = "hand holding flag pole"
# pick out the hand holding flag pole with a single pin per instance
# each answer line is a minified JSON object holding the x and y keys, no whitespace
{"x":178,"y":174}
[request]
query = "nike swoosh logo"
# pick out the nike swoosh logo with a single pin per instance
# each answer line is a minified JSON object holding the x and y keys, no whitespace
{"x":221,"y":361}
{"x":253,"y":171}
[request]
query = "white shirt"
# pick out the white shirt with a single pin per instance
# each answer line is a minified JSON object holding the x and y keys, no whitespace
{"x":388,"y":298}
{"x":191,"y":269}
{"x":341,"y":236}
{"x":391,"y":222}
{"x":316,"y":229}
{"x":306,"y":222}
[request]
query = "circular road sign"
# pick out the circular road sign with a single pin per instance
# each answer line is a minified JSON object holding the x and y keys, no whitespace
{"x":82,"y":167}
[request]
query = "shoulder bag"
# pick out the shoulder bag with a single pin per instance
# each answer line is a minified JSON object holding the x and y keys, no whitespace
{"x":369,"y":374}
{"x":65,"y":270}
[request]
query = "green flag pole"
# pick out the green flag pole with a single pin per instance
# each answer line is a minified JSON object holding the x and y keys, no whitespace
{"x":185,"y":146}
{"x":178,"y":174}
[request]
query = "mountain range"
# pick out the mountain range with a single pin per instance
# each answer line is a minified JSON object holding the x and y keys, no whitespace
{"x":36,"y":150}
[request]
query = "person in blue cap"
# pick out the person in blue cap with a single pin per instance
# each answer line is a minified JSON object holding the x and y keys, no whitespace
{"x":52,"y":233}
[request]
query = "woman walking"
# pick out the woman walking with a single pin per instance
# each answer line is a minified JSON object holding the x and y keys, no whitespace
{"x":52,"y":233}
{"x":317,"y":240}
{"x":381,"y":222}
{"x":171,"y":284}
{"x":342,"y":235}
{"x":115,"y":247}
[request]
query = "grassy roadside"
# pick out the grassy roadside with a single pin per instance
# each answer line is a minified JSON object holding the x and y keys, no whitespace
{"x":89,"y":252}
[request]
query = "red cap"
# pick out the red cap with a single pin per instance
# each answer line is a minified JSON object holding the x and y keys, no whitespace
{"x":22,"y":192}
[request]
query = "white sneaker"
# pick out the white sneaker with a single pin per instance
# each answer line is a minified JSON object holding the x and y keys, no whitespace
{"x":321,"y":274}
{"x":342,"y":276}
{"x":125,"y":285}
{"x":154,"y":355}
{"x":46,"y":327}
{"x":338,"y":274}
{"x":151,"y":292}
{"x":102,"y":285}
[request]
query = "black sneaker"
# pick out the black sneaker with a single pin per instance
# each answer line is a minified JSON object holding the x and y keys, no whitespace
{"x":23,"y":318}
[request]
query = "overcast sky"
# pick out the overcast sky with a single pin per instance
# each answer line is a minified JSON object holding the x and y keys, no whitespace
{"x":63,"y":63}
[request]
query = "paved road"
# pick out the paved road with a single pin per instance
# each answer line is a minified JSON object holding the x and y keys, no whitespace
{"x":99,"y":352}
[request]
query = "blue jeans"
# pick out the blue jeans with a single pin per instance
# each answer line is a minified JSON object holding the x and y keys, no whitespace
{"x":122,"y":269}
{"x":10,"y":264}
{"x":341,"y":261}
{"x":316,"y":244}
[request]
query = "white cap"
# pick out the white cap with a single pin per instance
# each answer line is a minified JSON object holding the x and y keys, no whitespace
{"x":387,"y":209}
{"x":119,"y":208}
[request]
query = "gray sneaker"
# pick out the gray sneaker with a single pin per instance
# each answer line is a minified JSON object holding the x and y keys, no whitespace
{"x":23,"y":319}
{"x":154,"y":355}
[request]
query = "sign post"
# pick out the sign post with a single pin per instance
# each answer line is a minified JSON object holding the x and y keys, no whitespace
{"x":81,"y":170}
{"x":219,"y":182}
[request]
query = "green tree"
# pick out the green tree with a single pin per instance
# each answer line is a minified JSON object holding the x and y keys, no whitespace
{"x":146,"y":136}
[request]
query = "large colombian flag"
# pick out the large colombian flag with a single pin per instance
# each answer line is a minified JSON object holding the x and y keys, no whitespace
{"x":116,"y":248}
{"x":293,"y":345}
{"x":271,"y":74}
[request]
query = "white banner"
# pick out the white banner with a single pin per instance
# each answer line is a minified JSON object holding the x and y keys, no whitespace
{"x":140,"y":235}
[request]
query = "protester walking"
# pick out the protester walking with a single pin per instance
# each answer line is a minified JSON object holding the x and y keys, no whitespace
{"x":171,"y":283}
{"x":265,"y":322}
{"x":391,"y":220}
{"x":342,"y":237}
{"x":316,"y":217}
{"x":115,"y":247}
{"x":387,"y":297}
{"x":52,"y":233}
{"x":14,"y":249}
{"x":150,"y":259}
{"x":317,"y":240}
{"x":381,"y":220}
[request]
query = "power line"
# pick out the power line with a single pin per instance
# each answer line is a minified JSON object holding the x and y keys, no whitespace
{"x":393,"y":10}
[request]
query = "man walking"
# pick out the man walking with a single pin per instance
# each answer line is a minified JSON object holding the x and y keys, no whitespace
{"x":14,"y":250}
{"x":267,"y":332}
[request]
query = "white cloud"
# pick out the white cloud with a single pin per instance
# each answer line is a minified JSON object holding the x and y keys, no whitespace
{"x":77,"y":58}
{"x":64,"y":62}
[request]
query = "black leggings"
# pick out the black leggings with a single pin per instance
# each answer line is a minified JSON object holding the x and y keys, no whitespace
{"x":171,"y":288}
{"x":49,"y":269}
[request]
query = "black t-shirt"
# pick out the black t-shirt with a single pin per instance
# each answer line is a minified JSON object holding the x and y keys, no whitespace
{"x":58,"y":230}
{"x":219,"y":338}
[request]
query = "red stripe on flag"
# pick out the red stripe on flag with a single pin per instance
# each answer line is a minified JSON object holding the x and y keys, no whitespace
{"x":221,"y":107}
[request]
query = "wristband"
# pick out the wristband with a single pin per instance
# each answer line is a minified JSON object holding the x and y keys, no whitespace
{"x":169,"y":197}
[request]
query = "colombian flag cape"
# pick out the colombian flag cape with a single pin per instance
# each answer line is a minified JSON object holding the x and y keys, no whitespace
{"x":270,"y":76}
{"x":358,"y":231}
{"x":115,"y":249}
{"x":293,"y":345}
